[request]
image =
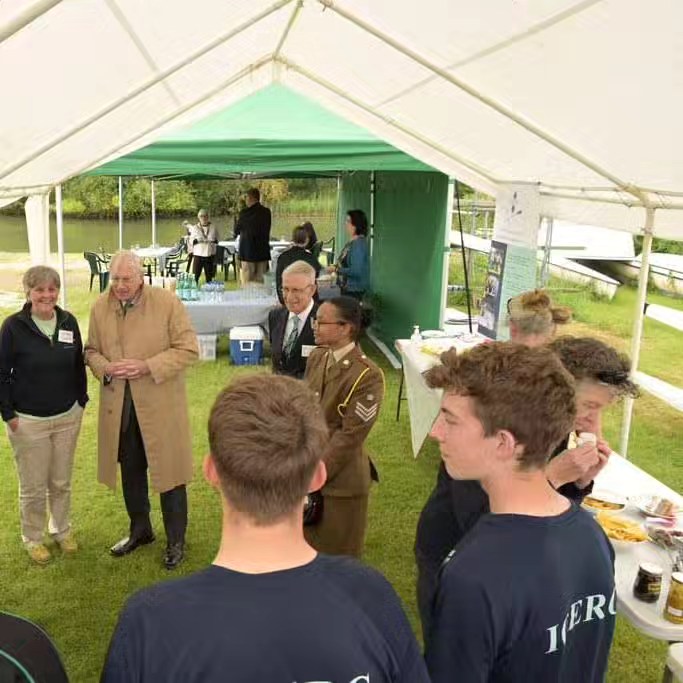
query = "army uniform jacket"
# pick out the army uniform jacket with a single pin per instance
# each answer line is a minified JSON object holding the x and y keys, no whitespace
{"x":350,"y":393}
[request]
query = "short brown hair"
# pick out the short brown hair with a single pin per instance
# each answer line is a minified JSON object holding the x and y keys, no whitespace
{"x":523,"y":390}
{"x":40,"y":275}
{"x":267,"y":434}
{"x":590,"y":359}
{"x":254,"y":193}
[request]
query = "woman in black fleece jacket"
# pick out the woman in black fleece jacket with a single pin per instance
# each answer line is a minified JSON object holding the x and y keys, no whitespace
{"x":43,"y":391}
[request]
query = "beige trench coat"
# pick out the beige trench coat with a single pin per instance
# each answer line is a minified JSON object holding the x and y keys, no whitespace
{"x":157,"y":329}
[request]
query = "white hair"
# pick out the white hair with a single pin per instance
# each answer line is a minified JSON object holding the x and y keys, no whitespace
{"x":300,"y":268}
{"x":129,"y":258}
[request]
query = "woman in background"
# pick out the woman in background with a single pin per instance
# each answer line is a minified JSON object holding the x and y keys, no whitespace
{"x":534,"y":319}
{"x":311,"y":237}
{"x":43,"y":391}
{"x":203,"y":240}
{"x":353,"y":265}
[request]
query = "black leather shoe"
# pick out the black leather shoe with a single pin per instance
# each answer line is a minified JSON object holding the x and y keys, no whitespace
{"x":175,"y":552}
{"x":128,"y":545}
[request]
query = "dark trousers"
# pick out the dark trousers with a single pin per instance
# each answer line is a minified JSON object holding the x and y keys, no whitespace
{"x":135,"y":490}
{"x":207,"y":263}
{"x":427,"y":585}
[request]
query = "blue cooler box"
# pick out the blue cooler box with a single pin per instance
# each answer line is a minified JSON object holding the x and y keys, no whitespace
{"x":246,"y":345}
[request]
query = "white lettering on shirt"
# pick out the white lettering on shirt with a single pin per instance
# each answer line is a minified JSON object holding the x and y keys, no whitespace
{"x":573,"y":618}
{"x":612,"y":608}
{"x":575,"y":612}
{"x":597,"y":609}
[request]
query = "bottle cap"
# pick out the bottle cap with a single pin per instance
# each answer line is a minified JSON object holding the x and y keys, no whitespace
{"x":651,"y":568}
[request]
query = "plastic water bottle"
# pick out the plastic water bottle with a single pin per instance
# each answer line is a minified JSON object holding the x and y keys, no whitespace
{"x":193,"y":291}
{"x":416,"y":337}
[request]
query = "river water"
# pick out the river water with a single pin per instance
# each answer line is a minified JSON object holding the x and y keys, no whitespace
{"x":94,"y":234}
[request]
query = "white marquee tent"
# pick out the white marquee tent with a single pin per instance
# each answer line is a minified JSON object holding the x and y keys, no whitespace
{"x":582,"y":98}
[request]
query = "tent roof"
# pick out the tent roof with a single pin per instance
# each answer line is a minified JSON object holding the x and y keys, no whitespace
{"x":581,"y":97}
{"x":274,"y":131}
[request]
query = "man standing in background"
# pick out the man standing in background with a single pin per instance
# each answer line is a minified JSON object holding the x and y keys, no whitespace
{"x":253,"y":229}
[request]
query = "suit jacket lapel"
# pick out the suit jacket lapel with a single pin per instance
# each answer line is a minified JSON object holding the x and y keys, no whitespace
{"x":279,"y":331}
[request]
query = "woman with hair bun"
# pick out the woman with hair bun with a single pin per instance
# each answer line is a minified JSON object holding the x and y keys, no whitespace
{"x":350,"y":388}
{"x":533,"y":319}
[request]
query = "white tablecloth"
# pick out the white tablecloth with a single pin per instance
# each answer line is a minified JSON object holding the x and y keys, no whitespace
{"x":230,"y":245}
{"x":625,"y":478}
{"x":236,"y":309}
{"x":158,"y":253}
{"x":423,"y":402}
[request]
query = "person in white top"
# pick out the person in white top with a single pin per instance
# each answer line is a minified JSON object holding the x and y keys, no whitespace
{"x":203,"y":241}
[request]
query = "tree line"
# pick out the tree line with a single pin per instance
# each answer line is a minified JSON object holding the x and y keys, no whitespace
{"x":98,"y":196}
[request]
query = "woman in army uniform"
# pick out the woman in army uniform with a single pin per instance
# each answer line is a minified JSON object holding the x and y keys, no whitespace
{"x":350,"y":388}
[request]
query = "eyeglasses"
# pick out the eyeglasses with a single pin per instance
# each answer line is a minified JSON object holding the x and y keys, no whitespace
{"x":315,"y":322}
{"x":294,"y":291}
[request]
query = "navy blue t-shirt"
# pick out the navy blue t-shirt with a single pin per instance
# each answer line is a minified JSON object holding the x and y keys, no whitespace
{"x":332,"y":619}
{"x":526,"y":599}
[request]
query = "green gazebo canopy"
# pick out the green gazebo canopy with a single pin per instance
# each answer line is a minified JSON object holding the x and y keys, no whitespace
{"x":274,"y":132}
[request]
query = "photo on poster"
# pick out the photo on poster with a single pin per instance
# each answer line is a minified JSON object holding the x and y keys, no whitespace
{"x":492,"y":286}
{"x":490,"y":306}
{"x":496,"y":258}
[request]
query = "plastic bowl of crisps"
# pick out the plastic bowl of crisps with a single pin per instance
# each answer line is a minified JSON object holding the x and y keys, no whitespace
{"x":621,"y":531}
{"x":603,"y":501}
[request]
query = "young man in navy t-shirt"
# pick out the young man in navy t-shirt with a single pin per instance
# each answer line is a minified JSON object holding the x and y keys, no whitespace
{"x":269,"y":609}
{"x":528,"y":595}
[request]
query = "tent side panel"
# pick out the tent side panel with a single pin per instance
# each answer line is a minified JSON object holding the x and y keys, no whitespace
{"x":408,"y":253}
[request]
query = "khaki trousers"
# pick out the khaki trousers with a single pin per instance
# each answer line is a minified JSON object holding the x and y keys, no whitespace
{"x":341,"y":531}
{"x":44,"y":454}
{"x":252,"y":271}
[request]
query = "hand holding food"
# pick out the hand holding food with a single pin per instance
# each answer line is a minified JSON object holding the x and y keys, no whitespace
{"x":573,"y":465}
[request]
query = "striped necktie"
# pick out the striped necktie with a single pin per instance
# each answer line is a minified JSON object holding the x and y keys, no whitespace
{"x":291,"y":339}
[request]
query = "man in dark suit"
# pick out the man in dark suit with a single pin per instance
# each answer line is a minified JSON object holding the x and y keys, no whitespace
{"x":291,"y":334}
{"x":297,"y":252}
{"x":253,"y":229}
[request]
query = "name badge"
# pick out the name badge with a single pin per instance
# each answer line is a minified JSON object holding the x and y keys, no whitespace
{"x":306,"y":350}
{"x":65,"y":336}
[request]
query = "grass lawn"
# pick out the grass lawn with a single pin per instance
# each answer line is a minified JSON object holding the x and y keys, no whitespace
{"x":77,"y":599}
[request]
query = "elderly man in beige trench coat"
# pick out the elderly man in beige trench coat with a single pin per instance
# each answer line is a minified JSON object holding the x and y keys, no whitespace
{"x":139,"y":343}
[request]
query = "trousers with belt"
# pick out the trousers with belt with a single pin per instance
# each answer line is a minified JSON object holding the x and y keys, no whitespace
{"x":133,"y":461}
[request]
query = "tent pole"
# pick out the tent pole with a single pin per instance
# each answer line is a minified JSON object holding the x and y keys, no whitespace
{"x":154,"y":216}
{"x":372,"y":211}
{"x":120,"y":213}
{"x":636,"y":336}
{"x":545,"y":264}
{"x":468,"y":293}
{"x":27,"y":17}
{"x":446,"y":250}
{"x":338,"y":232}
{"x":60,"y":244}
